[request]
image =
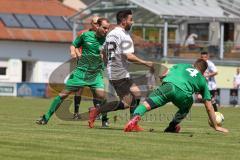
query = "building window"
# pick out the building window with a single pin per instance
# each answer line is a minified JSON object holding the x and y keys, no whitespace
{"x":3,"y":71}
{"x":152,"y":34}
{"x":228,"y":32}
{"x":138,"y":31}
{"x":201,"y":29}
{"x":171,"y":34}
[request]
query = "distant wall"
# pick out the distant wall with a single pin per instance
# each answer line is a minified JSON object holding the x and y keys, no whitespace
{"x":34,"y":51}
{"x":40,"y":59}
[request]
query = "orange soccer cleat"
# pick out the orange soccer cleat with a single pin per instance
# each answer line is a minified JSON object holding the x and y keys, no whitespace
{"x":93,"y":113}
{"x":132,"y":125}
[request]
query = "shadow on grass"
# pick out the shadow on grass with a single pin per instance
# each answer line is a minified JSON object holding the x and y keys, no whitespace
{"x":108,"y":128}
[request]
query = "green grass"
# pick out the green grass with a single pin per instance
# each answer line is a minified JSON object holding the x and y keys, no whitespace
{"x":21,"y":138}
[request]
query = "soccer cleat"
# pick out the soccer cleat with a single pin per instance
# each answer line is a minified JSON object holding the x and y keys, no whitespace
{"x":132,"y":125}
{"x":105,"y":124}
{"x":137,"y":128}
{"x":173,"y":129}
{"x":76,"y":116}
{"x":42,"y":121}
{"x":93,"y":113}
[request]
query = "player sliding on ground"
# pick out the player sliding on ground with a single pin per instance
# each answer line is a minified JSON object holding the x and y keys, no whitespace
{"x":179,"y":83}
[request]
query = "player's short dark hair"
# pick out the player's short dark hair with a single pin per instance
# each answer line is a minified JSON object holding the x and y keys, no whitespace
{"x":201,"y":65}
{"x":123,"y":15}
{"x":204,"y":53}
{"x":101,"y":19}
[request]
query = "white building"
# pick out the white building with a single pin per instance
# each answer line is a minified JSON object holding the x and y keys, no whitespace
{"x":34,"y":39}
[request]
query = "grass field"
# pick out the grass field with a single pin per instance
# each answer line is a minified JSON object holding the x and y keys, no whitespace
{"x":21,"y":138}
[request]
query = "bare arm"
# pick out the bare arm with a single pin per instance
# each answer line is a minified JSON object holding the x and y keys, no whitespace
{"x":211,"y":74}
{"x":104,"y":56}
{"x":132,"y":58}
{"x":74,"y":52}
{"x":212,"y":117}
{"x":235,"y":83}
{"x":164,"y":74}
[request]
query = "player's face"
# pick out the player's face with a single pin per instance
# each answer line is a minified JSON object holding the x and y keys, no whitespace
{"x":129,"y":22}
{"x":204,"y":57}
{"x":103,"y":29}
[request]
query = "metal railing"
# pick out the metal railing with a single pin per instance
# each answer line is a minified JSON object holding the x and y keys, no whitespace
{"x":151,"y":50}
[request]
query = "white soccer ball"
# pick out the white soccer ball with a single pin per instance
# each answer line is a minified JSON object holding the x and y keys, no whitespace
{"x":219,"y":119}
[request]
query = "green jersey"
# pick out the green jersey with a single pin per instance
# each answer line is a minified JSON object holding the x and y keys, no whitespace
{"x":188,"y":79}
{"x":91,"y":46}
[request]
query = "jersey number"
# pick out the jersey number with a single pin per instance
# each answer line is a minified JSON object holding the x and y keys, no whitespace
{"x":110,"y":50}
{"x":192,"y":72}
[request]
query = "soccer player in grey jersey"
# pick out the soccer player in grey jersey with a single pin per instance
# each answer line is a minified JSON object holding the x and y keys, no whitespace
{"x":210,"y":74}
{"x":118,"y":50}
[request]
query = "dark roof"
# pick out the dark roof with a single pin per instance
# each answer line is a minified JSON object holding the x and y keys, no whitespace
{"x":35,"y":20}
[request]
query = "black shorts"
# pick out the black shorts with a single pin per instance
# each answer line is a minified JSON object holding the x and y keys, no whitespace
{"x":122,"y":86}
{"x":212,"y":92}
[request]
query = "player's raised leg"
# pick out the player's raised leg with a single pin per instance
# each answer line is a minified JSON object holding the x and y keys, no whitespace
{"x":53,"y":107}
{"x":157,"y":98}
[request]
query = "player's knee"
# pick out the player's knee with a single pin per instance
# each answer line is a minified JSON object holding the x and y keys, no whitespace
{"x":63,"y":95}
{"x":100,"y":95}
{"x":135,"y":91}
{"x":147,"y":105}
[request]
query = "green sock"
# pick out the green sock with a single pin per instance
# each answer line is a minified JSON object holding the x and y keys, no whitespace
{"x":140,"y":110}
{"x":54,"y":106}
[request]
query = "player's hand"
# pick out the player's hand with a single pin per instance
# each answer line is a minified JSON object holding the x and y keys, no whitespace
{"x":198,"y":96}
{"x":206,"y":74}
{"x":221,"y":129}
{"x":73,"y":55}
{"x":149,"y":63}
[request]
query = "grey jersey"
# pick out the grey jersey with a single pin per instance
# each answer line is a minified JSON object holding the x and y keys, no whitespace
{"x":118,"y":43}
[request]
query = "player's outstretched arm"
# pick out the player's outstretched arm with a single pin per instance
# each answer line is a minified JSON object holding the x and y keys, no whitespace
{"x":212,"y":117}
{"x":132,"y":58}
{"x":211,"y":74}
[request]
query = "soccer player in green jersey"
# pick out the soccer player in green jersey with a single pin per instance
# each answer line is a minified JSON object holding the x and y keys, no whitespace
{"x":88,"y":72}
{"x":76,"y":54}
{"x":179,"y":84}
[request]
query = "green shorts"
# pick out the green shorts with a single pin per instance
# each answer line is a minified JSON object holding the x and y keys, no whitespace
{"x":80,"y":78}
{"x":168,"y":92}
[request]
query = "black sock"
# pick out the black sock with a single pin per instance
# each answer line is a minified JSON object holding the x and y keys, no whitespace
{"x":97,"y":102}
{"x":77,"y":101}
{"x":215,"y":106}
{"x":133,"y":106}
{"x":104,"y":117}
{"x":112,"y":106}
